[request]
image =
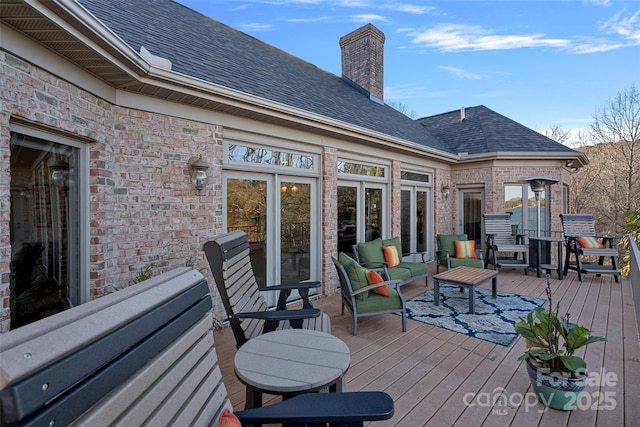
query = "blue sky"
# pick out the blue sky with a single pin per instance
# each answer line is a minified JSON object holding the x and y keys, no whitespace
{"x":541,"y":63}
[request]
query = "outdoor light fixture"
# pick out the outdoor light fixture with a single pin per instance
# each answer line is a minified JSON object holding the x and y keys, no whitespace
{"x":59,"y":173}
{"x":446,"y":191}
{"x":538,"y":185}
{"x":568,"y":163}
{"x":198,"y":171}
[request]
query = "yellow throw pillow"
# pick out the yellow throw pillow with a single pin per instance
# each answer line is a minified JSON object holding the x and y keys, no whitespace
{"x":465,"y":248}
{"x":391,"y":255}
{"x":589,"y":243}
{"x":374,"y":277}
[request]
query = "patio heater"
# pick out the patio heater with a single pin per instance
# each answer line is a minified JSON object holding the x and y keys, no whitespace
{"x":538,"y":185}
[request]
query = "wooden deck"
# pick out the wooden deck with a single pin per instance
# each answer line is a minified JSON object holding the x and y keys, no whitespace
{"x":442,"y":378}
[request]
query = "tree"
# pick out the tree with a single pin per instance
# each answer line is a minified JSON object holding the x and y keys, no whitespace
{"x":403,"y":108}
{"x":558,"y":134}
{"x":610,"y":184}
{"x":616,"y":128}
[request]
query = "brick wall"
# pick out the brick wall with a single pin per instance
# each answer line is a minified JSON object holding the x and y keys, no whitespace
{"x":142,"y":206}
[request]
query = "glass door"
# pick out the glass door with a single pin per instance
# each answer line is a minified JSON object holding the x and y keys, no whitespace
{"x":470,"y":219}
{"x":415,"y":202}
{"x":361,"y":213}
{"x":277,"y":213}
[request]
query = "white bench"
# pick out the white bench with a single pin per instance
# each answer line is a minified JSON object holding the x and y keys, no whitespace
{"x":142,"y":355}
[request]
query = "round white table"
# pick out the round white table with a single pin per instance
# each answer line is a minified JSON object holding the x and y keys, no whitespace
{"x":290,"y":362}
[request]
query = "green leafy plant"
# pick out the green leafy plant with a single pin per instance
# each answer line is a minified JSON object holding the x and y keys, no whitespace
{"x":144,"y":273}
{"x":552,"y":339}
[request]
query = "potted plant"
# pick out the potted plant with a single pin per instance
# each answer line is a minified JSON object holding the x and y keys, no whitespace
{"x":557,"y":374}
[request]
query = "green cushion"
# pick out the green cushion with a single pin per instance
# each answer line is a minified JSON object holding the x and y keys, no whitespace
{"x":414,"y":268}
{"x":445,"y":243}
{"x":355,"y":273}
{"x":397,"y":273}
{"x":371,"y":252}
{"x":394,"y":241}
{"x":377,"y":302}
{"x":465,"y":262}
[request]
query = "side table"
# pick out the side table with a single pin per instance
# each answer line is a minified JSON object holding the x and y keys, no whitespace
{"x":291,"y":361}
{"x":537,"y":242}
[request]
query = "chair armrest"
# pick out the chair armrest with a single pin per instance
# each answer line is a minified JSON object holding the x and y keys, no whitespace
{"x":305,"y":313}
{"x":345,"y":407}
{"x":292,"y":286}
{"x":392,"y":283}
{"x":423,"y":254}
{"x":286,"y":288}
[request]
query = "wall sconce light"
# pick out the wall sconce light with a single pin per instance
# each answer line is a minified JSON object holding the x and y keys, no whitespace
{"x":198,"y":171}
{"x":59,"y":173}
{"x":446,"y":191}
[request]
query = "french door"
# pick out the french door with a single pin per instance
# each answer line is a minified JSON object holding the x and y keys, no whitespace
{"x":361,"y":213}
{"x":415,"y":219}
{"x":279,"y":215}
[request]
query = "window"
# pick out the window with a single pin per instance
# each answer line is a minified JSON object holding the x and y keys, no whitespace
{"x":45,"y":225}
{"x":520,"y":201}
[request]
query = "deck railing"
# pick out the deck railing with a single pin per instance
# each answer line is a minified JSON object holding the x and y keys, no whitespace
{"x":634,"y":278}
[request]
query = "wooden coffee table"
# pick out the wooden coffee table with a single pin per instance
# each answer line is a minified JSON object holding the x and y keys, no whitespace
{"x":291,"y":361}
{"x":467,"y":277}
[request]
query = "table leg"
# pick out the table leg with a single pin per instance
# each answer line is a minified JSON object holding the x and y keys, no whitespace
{"x":436,"y":292}
{"x":339,"y":386}
{"x":253,"y":399}
{"x":559,"y":260}
{"x":472,"y":297}
{"x":494,"y":287}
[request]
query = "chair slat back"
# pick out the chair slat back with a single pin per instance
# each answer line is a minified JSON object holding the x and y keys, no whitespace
{"x":499,"y":225}
{"x":229,"y":258}
{"x":576,"y":225}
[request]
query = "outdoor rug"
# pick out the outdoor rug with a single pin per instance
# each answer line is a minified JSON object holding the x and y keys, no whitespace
{"x":493,"y":319}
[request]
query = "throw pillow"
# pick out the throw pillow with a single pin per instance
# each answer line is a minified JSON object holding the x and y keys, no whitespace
{"x":465,"y":248}
{"x":374,"y":277}
{"x":391,"y":255}
{"x":228,"y":419}
{"x":589,"y":243}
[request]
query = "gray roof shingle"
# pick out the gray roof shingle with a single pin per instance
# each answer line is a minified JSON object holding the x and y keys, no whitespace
{"x":485,"y":131}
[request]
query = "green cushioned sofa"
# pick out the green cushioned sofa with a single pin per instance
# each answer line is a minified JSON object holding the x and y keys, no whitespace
{"x":370,"y":255}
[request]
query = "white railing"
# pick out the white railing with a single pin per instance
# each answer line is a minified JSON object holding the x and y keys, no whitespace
{"x":634,"y":278}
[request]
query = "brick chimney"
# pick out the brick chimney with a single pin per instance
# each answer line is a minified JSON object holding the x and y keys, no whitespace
{"x":362,"y":60}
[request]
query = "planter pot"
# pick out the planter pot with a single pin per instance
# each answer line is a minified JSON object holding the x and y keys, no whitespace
{"x":555,"y":390}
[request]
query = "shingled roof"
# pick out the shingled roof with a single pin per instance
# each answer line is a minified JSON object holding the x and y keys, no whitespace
{"x":204,"y":48}
{"x":477,"y":130}
{"x":201,"y":47}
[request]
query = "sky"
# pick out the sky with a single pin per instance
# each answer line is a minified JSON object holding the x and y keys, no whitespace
{"x":542,"y":63}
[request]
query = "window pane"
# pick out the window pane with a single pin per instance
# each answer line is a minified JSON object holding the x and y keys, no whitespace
{"x":241,"y":153}
{"x":246,"y":211}
{"x":44,"y":228}
{"x":295,"y":217}
{"x":347,"y":218}
{"x":373,"y":213}
{"x":360,"y":169}
{"x":513,"y":204}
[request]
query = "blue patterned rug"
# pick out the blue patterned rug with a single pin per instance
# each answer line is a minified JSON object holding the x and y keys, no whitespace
{"x":493,"y":319}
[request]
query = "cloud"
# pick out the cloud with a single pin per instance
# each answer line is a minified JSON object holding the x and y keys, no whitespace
{"x":457,"y":37}
{"x":626,"y":26}
{"x":460,"y":73}
{"x":367,"y":17}
{"x":413,"y":90}
{"x":255,"y":27}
